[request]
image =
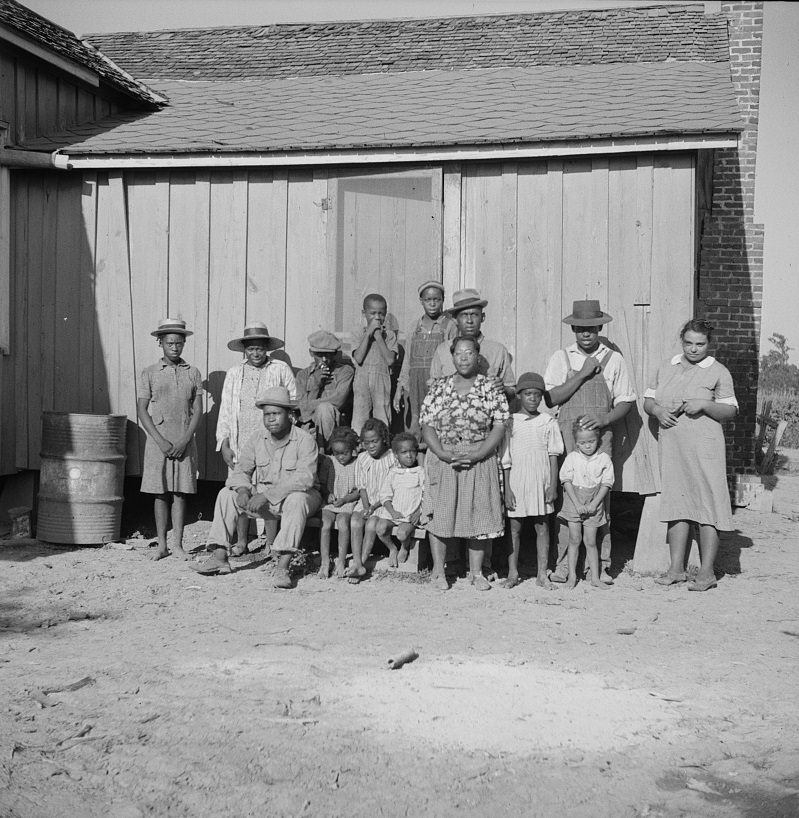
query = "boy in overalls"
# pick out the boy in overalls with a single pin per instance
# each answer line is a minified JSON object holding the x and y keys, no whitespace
{"x":591,"y":381}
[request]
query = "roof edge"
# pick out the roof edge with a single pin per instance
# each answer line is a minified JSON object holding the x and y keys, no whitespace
{"x":532,"y":150}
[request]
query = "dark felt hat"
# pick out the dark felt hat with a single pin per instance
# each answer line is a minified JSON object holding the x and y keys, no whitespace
{"x":255,"y":332}
{"x":171,"y":326}
{"x":587,"y":314}
{"x":530,"y":380}
{"x":465,"y":299}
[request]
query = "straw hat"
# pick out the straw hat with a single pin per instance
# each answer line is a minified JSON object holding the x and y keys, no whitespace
{"x":171,"y":326}
{"x":276,"y":396}
{"x":255,"y":332}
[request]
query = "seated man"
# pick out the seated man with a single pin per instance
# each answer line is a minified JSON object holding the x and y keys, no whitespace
{"x":324,"y":387}
{"x":283,"y":460}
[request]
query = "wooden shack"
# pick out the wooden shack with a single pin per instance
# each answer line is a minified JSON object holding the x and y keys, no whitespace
{"x":540,"y":157}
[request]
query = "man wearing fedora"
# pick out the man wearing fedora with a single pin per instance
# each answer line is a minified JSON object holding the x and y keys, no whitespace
{"x":280,"y":460}
{"x":324,"y":387}
{"x":468,"y":310}
{"x":591,"y":381}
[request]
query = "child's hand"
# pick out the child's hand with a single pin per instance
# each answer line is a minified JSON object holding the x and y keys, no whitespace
{"x":550,"y":494}
{"x":395,"y":515}
{"x":374,"y":326}
{"x":414,"y":518}
{"x":331,"y":499}
{"x":510,"y":498}
{"x":374,"y":507}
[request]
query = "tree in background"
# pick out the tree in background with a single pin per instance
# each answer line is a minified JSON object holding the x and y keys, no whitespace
{"x":776,"y":374}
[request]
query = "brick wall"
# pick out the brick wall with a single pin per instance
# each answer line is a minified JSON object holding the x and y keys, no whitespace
{"x":731,"y":249}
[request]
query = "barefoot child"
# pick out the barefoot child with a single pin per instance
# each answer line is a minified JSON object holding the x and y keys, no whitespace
{"x":374,"y":355}
{"x":339,"y":490}
{"x":587,"y":477}
{"x":372,"y":467}
{"x":170,"y":405}
{"x":530,"y":461}
{"x":401,"y":496}
{"x":425,"y":334}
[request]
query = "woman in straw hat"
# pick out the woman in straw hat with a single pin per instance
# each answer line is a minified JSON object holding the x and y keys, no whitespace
{"x":239,"y":417}
{"x":170,"y":406}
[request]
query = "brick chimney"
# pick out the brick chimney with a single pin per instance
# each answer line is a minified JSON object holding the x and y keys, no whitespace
{"x":730,"y":281}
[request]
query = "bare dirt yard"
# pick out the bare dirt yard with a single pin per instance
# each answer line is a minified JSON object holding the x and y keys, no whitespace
{"x":133,"y":688}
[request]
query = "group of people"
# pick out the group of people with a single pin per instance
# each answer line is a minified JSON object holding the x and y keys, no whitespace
{"x":477,"y":451}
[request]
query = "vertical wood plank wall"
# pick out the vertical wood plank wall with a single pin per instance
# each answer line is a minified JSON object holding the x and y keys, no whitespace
{"x":97,"y":259}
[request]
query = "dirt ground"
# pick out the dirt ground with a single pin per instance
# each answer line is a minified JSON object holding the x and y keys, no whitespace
{"x":133,"y":688}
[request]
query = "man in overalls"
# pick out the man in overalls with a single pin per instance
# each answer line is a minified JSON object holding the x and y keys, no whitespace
{"x":591,"y":381}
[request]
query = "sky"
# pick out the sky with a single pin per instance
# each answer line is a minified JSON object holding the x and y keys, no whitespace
{"x":777,"y":179}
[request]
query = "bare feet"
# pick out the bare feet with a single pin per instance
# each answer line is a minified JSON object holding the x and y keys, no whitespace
{"x":403,"y":554}
{"x":159,"y":554}
{"x":177,"y":551}
{"x":439,"y":582}
{"x":239,"y":549}
{"x":511,"y":582}
{"x":324,"y":571}
{"x":571,"y":582}
{"x":671,"y":579}
{"x":393,"y":561}
{"x":597,"y":583}
{"x":355,"y":574}
{"x":606,"y":577}
{"x":543,"y":582}
{"x":556,"y":577}
{"x":339,"y":569}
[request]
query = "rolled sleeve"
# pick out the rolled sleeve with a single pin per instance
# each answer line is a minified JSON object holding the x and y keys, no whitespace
{"x":608,"y":476}
{"x":622,"y":390}
{"x":567,"y":471}
{"x":556,"y":372}
{"x":724,"y":391}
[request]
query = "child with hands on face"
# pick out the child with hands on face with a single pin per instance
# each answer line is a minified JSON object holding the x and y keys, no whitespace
{"x":587,"y":477}
{"x":401,"y":498}
{"x":533,"y":443}
{"x":337,"y":483}
{"x":371,"y":468}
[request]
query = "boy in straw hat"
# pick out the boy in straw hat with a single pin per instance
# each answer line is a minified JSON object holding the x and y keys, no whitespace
{"x":281,"y":460}
{"x":239,"y":417}
{"x":170,"y":406}
{"x":590,"y":381}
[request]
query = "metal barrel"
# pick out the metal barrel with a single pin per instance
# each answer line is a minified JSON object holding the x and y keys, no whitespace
{"x":81,"y":478}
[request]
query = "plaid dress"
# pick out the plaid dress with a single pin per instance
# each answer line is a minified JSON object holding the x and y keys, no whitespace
{"x":465,"y":503}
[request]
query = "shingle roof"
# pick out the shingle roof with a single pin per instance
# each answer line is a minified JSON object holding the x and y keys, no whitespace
{"x":423,"y":108}
{"x":655,"y":34}
{"x":40,"y":30}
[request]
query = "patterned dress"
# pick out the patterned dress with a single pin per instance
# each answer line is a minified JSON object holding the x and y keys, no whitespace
{"x":693,"y":467}
{"x":171,"y":391}
{"x":464,"y":503}
{"x":370,"y":472}
{"x":529,"y":441}
{"x":337,"y":480}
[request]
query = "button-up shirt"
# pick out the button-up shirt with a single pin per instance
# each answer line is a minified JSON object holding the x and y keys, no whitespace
{"x":336,"y":389}
{"x":494,"y":361}
{"x":615,"y":371}
{"x":280,"y":466}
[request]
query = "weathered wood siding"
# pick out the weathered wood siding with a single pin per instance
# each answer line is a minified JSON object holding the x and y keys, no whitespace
{"x":97,"y":259}
{"x":36,"y":99}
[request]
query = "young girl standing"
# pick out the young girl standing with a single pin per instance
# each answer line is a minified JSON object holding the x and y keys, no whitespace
{"x":533,"y":443}
{"x":587,"y":477}
{"x":372,"y":466}
{"x":170,"y":406}
{"x":423,"y":338}
{"x":339,"y":488}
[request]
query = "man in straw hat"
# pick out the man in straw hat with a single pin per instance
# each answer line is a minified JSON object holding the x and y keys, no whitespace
{"x":591,"y":381}
{"x":324,"y":387}
{"x":281,"y":458}
{"x":239,"y":417}
{"x":494,"y":361}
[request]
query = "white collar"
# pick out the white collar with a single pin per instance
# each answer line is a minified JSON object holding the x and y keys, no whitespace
{"x":601,"y":349}
{"x":703,"y":364}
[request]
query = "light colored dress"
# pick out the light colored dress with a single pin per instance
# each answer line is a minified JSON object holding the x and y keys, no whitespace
{"x":171,"y":391}
{"x":404,"y":487}
{"x":529,"y":442}
{"x":693,"y":466}
{"x":468,"y":502}
{"x":370,"y":472}
{"x":339,"y":481}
